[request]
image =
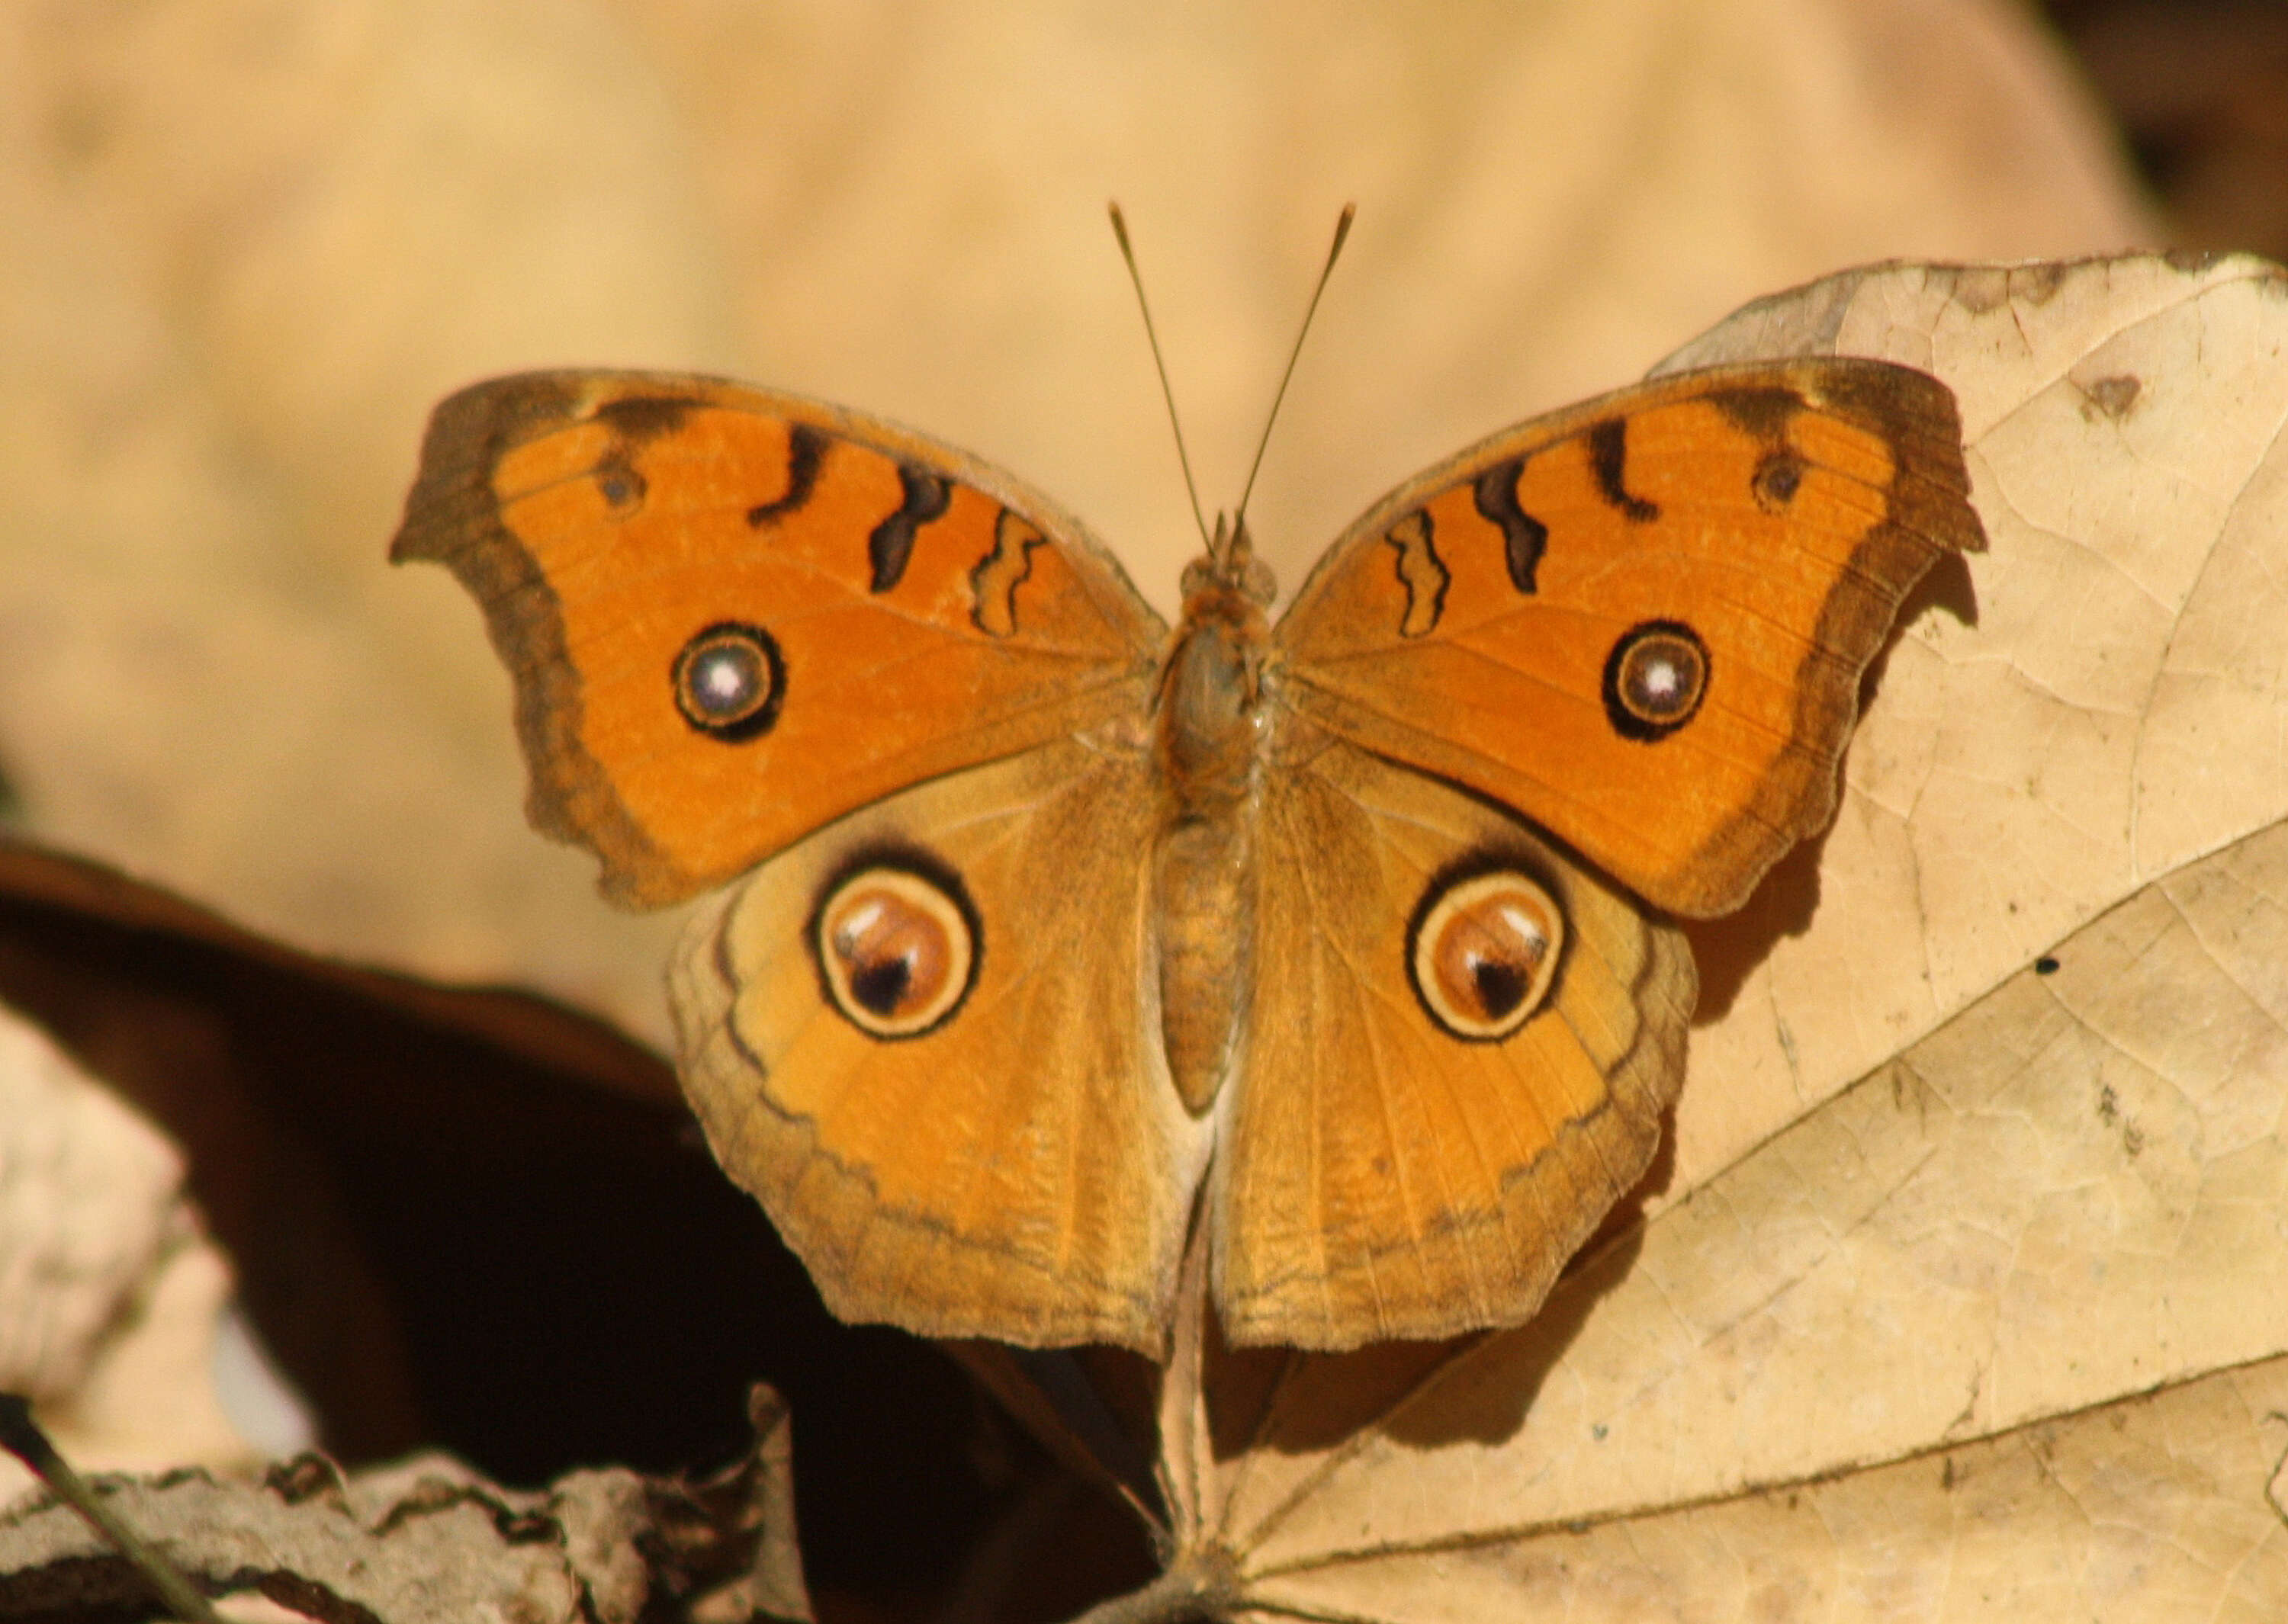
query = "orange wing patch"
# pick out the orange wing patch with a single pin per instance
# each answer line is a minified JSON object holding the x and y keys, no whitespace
{"x":701,"y":588}
{"x":1643,"y":622}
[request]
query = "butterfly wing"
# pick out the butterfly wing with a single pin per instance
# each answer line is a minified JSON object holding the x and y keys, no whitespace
{"x":733,"y":615}
{"x":1432,"y":1112}
{"x":1643,"y":621}
{"x":919,"y":1037}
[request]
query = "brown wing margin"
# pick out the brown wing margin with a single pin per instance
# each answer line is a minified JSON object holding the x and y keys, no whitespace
{"x":1928,"y":515}
{"x":453,"y":517}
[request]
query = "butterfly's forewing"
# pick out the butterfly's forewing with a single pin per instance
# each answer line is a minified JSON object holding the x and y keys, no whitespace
{"x":1643,"y":621}
{"x":732,"y":615}
{"x":1382,"y":1174}
{"x":1009,"y":1159}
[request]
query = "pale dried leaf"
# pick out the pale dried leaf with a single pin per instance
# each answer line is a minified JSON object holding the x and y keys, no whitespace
{"x":1981,"y":1316}
{"x":2153,"y":1509}
{"x":112,"y":1296}
{"x":88,"y":1195}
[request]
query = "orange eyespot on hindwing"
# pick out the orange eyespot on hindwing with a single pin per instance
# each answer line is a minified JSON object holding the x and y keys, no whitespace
{"x":1655,"y":679}
{"x":729,"y":681}
{"x":896,"y":943}
{"x":1483,"y":951}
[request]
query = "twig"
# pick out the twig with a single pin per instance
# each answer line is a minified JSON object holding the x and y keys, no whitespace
{"x":22,"y":1438}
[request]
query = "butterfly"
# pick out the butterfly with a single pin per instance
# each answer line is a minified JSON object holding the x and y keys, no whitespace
{"x":1044,"y":933}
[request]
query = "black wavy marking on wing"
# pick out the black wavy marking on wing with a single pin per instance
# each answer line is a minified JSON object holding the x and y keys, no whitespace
{"x":1523,"y":536}
{"x":891,"y":545}
{"x":1608,"y":459}
{"x":806,"y":454}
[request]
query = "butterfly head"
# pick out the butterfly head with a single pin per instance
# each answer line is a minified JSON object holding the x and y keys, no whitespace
{"x":1212,"y":679}
{"x":1229,"y":569}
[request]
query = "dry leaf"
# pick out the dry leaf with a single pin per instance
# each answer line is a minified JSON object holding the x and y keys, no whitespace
{"x":1965,"y":1299}
{"x":112,"y":1296}
{"x":430,"y":1539}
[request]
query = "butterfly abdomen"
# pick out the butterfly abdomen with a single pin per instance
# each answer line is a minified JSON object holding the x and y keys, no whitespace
{"x":1206,"y":729}
{"x":1204,"y":910}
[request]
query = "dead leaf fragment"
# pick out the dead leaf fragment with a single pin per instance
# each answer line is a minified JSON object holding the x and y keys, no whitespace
{"x":112,"y":1296}
{"x":2152,"y":1509}
{"x":430,"y":1539}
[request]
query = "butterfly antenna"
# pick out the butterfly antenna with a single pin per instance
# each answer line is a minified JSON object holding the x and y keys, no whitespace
{"x":1334,"y":252}
{"x":1152,"y":335}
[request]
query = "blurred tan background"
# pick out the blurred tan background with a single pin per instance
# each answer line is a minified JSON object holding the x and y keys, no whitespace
{"x":251,"y":241}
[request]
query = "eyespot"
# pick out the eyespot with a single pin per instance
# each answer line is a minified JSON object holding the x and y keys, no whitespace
{"x":729,"y":681}
{"x":1483,"y":951}
{"x":896,"y":948}
{"x":1655,"y":679}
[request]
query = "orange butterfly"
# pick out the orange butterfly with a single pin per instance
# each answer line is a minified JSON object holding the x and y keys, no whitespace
{"x":1349,"y":930}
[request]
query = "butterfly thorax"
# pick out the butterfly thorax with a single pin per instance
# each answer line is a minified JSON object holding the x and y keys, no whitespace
{"x":1206,"y":732}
